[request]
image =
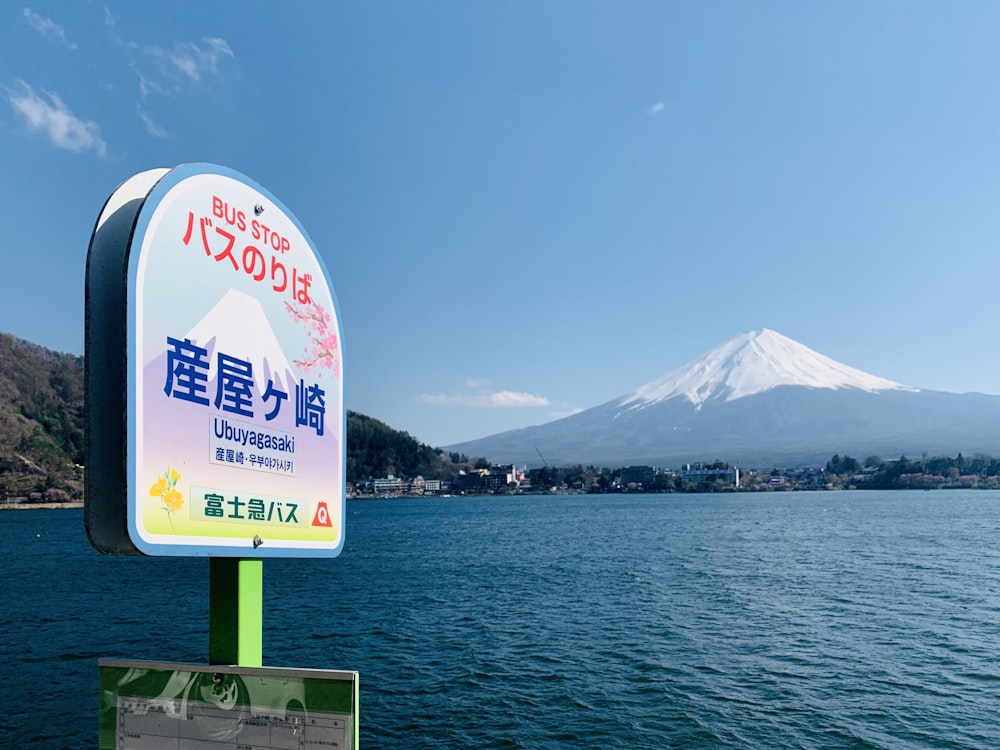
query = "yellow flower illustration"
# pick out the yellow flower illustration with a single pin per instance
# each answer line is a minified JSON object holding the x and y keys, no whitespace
{"x":173,"y":500}
{"x":165,"y":487}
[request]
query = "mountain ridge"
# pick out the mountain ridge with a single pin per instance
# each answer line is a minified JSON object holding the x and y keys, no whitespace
{"x":752,"y":406}
{"x":752,"y":363}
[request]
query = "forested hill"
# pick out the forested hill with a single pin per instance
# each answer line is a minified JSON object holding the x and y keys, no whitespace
{"x":376,"y":450}
{"x":41,"y":422}
{"x":42,"y":431}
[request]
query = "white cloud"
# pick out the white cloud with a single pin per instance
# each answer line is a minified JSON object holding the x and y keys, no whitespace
{"x":147,"y":86}
{"x":218,"y":45}
{"x":656,"y":108}
{"x":151,"y":127}
{"x":186,"y":63}
{"x":514,"y":398}
{"x":47,"y":27}
{"x":496,"y":399}
{"x":52,"y":117}
{"x":163,"y":73}
{"x":195,"y":60}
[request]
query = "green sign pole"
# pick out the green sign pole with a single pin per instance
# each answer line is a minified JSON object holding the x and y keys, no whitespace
{"x":236,"y":612}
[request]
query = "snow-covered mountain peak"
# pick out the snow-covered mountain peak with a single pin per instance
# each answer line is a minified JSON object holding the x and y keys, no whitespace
{"x":250,"y":338}
{"x":752,"y":363}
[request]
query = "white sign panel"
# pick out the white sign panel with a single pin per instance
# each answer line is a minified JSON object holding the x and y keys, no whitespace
{"x":235,"y":400}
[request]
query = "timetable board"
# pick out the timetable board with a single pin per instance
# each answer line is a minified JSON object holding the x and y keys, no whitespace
{"x":163,"y":706}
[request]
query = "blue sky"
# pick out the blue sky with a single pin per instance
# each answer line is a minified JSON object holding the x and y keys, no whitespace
{"x":529,"y":208}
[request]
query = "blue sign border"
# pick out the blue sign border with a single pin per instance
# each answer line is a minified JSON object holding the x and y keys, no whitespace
{"x":139,"y":230}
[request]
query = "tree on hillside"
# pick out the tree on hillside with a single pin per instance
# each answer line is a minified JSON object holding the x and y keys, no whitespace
{"x":842,"y":465}
{"x":376,"y":450}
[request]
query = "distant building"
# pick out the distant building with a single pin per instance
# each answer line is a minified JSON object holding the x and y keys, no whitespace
{"x":490,"y":480}
{"x":388,"y":486}
{"x":637,"y":475}
{"x":502,"y":475}
{"x":708,"y":476}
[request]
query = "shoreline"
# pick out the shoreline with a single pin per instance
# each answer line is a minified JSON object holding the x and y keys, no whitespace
{"x":39,"y":506}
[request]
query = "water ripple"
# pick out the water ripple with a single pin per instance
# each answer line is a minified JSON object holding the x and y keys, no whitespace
{"x":827,"y":620}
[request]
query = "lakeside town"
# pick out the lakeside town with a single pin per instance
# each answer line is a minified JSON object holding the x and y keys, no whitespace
{"x":839,"y":473}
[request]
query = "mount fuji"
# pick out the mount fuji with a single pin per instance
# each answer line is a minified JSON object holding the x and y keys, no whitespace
{"x":253,"y":338}
{"x":760,"y":399}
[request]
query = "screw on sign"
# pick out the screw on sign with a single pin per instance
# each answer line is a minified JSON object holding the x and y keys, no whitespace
{"x":322,"y":517}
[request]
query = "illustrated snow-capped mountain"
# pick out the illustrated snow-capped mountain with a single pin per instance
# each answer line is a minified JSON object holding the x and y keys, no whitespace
{"x":758,"y":398}
{"x":252,"y":339}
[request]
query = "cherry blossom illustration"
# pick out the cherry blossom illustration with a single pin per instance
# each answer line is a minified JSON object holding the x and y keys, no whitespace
{"x":324,"y":352}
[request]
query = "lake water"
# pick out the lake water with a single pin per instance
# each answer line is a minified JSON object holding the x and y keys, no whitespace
{"x":793,"y":620}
